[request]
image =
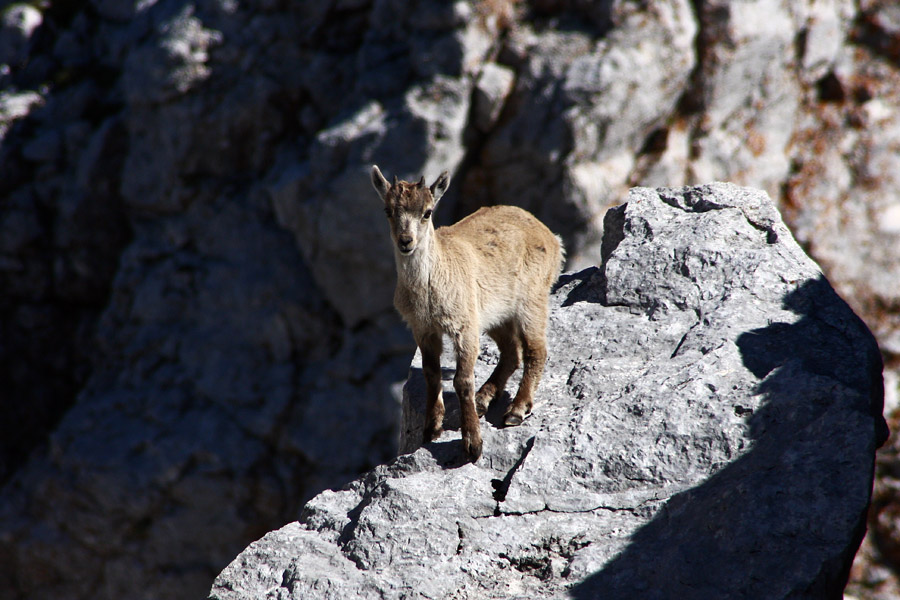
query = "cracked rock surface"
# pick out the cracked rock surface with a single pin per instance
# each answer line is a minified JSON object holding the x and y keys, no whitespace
{"x":706,"y":427}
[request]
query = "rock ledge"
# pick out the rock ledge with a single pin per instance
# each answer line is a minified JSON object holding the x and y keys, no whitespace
{"x":706,"y":427}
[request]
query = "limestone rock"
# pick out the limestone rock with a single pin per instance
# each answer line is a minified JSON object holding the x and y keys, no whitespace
{"x":706,"y":427}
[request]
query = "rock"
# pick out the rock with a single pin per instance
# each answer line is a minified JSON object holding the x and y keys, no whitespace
{"x":17,"y":25}
{"x":228,"y":365}
{"x":871,"y":577}
{"x":585,"y":101}
{"x":706,"y":427}
{"x":44,"y":148}
{"x":885,"y":17}
{"x":746,"y":129}
{"x":119,"y":10}
{"x":14,"y":106}
{"x":330,"y":206}
{"x":493,"y":86}
{"x":826,"y":29}
{"x":172,"y":63}
{"x":832,"y":160}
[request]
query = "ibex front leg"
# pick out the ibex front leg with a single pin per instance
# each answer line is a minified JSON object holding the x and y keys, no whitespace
{"x":466,"y":343}
{"x":430,"y":345}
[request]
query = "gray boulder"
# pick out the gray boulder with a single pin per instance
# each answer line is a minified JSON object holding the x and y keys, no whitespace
{"x":706,"y":427}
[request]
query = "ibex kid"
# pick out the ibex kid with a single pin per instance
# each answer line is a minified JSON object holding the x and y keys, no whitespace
{"x":491,"y":271}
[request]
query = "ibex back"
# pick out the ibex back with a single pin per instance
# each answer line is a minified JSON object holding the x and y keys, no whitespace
{"x":490,"y":272}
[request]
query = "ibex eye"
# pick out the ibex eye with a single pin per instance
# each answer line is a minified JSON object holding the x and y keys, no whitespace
{"x":387,"y":211}
{"x":427,"y":215}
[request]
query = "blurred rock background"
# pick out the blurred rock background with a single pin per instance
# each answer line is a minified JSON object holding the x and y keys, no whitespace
{"x":196,"y":331}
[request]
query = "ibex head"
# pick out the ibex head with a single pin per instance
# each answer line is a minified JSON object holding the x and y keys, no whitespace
{"x":409,"y":207}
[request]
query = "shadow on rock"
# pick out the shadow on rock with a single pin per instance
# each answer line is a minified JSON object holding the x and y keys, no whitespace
{"x":775,"y":522}
{"x":591,"y":287}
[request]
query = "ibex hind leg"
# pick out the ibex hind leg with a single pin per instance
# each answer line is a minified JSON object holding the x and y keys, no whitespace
{"x":534,"y":350}
{"x":510,"y":354}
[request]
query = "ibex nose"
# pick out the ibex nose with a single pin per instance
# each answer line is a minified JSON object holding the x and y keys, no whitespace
{"x":404,"y":242}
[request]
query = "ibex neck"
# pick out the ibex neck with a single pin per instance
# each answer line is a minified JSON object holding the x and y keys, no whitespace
{"x":415,"y":270}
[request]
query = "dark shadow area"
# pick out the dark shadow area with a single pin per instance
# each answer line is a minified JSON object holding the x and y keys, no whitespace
{"x":593,"y":18}
{"x":448,"y":454}
{"x":60,"y":239}
{"x":591,"y":286}
{"x":497,"y":410}
{"x":784,"y":519}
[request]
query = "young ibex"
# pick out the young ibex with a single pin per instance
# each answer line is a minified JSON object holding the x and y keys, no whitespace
{"x":490,"y":272}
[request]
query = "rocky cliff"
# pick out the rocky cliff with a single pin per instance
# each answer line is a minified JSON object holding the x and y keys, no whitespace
{"x":195,"y":280}
{"x":707,"y":429}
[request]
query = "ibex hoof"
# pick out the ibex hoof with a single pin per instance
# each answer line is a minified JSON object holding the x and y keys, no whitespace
{"x":514,"y":416}
{"x":480,"y":408}
{"x":472,"y":449}
{"x":483,"y":399}
{"x":512,"y":420}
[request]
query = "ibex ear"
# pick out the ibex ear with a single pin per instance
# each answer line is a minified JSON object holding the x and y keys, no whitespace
{"x":380,"y":184}
{"x":440,"y":186}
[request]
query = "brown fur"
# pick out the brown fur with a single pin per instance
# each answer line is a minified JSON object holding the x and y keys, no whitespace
{"x":491,"y":271}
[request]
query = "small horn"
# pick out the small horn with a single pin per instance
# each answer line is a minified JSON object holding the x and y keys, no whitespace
{"x":421,"y":183}
{"x":395,"y":180}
